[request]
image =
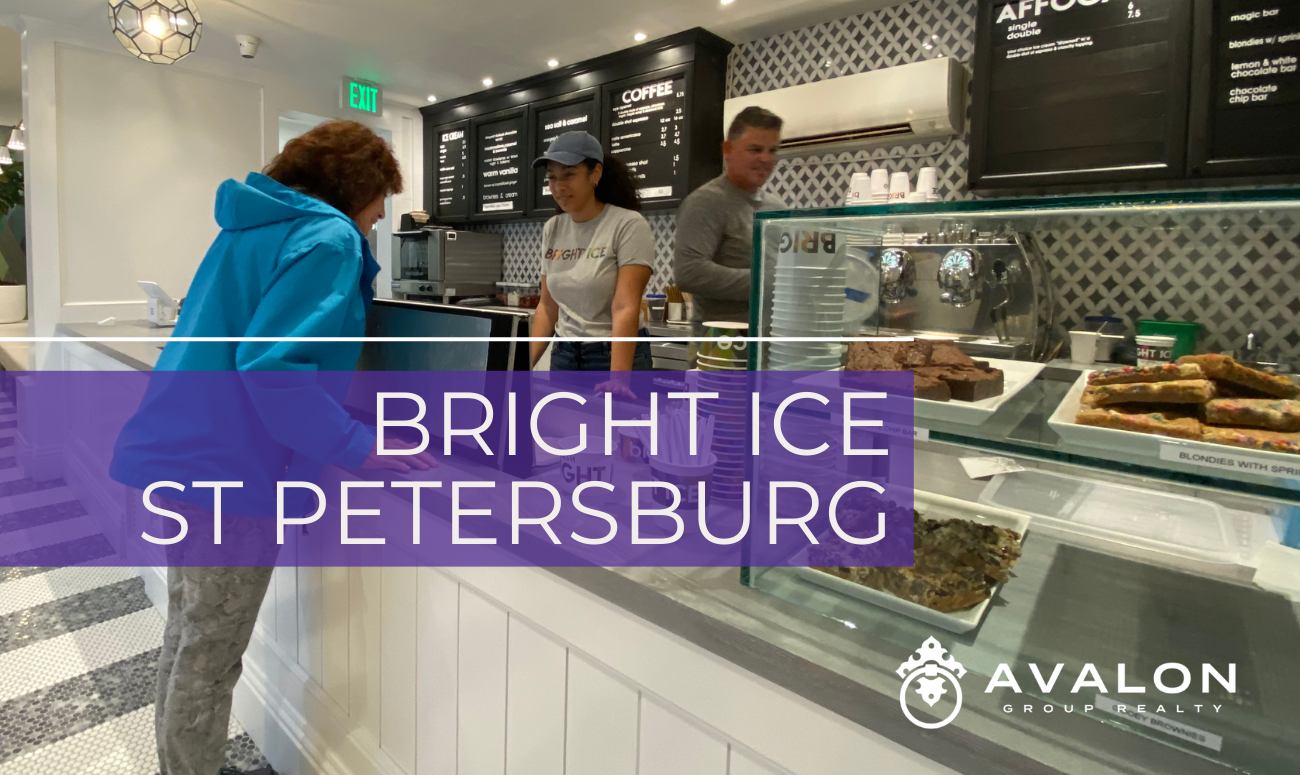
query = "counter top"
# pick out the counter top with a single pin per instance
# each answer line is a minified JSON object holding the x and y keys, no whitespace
{"x":1072,"y":600}
{"x":137,"y":355}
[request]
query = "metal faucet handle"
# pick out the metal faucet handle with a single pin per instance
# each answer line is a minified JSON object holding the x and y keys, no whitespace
{"x":897,"y":274}
{"x":958,"y":272}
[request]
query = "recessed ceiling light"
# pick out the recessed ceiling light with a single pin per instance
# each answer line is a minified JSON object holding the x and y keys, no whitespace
{"x":433,"y":98}
{"x":552,"y":63}
{"x":487,"y":81}
{"x":640,"y":36}
{"x":728,"y":2}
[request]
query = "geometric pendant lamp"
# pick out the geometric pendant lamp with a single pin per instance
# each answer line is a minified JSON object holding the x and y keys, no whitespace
{"x":158,"y":31}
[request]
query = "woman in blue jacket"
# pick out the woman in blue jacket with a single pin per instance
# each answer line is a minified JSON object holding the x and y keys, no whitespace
{"x":291,"y":261}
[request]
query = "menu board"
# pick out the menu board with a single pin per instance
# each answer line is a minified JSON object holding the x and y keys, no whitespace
{"x":453,"y":173}
{"x":647,"y":123}
{"x":1081,"y":91}
{"x":499,"y":153}
{"x":550,"y":123}
{"x":1255,"y":112}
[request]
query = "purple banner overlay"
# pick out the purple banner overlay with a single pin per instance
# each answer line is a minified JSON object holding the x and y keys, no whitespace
{"x":461,"y":468}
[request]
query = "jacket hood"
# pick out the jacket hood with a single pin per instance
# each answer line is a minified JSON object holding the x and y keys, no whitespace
{"x":260,"y":200}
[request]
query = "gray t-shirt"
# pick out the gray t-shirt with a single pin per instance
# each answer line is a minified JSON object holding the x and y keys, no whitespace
{"x":713,"y":249}
{"x":581,"y":263}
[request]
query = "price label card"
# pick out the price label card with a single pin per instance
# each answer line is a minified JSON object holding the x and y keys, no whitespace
{"x":1230,"y":459}
{"x":984,"y":467}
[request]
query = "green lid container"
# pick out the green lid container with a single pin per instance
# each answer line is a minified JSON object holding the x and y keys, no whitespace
{"x":1185,"y":333}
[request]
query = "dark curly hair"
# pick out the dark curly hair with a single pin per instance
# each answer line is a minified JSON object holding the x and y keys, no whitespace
{"x":617,"y":186}
{"x":341,"y":163}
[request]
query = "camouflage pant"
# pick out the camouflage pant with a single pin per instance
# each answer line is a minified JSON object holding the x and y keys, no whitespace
{"x":211,"y":613}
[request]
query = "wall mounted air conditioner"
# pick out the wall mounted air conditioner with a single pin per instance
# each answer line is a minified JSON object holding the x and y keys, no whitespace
{"x":908,"y":103}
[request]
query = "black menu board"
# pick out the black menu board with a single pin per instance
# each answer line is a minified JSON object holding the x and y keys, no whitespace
{"x":499,"y":153}
{"x":550,"y":123}
{"x":1253,"y":110}
{"x":646,"y":122}
{"x":1080,"y":92}
{"x":453,"y":172}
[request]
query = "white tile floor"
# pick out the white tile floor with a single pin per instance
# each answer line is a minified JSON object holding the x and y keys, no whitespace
{"x":91,"y":679}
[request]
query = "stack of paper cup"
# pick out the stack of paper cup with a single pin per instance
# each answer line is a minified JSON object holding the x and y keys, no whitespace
{"x":900,"y":185}
{"x":879,"y":186}
{"x":859,"y":189}
{"x":730,"y":413}
{"x":927,"y":182}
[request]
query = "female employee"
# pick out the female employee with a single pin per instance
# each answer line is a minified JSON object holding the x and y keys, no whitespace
{"x":291,"y":262}
{"x":597,"y":258}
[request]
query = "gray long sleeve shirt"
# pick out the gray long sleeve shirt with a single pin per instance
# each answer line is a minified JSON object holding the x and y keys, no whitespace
{"x":713,"y":249}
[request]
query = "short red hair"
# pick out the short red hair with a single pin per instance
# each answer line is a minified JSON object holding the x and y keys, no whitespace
{"x":342,"y":163}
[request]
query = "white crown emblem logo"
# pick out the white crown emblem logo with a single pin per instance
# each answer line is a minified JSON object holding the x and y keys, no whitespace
{"x":931,"y":667}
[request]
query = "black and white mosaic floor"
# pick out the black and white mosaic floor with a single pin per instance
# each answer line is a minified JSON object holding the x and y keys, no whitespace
{"x":78,"y":645}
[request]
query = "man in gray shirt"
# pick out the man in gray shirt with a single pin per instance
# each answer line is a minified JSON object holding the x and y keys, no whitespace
{"x":715,"y":225}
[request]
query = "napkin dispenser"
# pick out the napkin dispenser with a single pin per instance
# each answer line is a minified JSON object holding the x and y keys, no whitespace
{"x":163,"y":309}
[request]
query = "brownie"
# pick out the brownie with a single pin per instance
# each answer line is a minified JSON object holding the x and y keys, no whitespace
{"x":930,"y":388}
{"x":874,"y":356}
{"x":948,"y":354}
{"x":918,"y":354}
{"x":967,"y":383}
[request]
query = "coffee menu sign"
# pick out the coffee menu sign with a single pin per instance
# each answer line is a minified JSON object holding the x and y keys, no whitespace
{"x":1251,"y":116}
{"x":647,"y":124}
{"x":499,"y":187}
{"x":1080,"y":91}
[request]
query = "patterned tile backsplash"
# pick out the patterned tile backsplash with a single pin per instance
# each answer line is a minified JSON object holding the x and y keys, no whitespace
{"x":1233,"y":273}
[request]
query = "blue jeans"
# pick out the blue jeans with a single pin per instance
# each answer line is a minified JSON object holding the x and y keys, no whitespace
{"x":567,"y":355}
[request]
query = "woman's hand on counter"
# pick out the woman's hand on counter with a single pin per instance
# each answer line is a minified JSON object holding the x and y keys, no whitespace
{"x":619,"y":384}
{"x":421,"y":461}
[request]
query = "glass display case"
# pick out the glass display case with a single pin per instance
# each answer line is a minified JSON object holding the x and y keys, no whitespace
{"x":1139,"y":550}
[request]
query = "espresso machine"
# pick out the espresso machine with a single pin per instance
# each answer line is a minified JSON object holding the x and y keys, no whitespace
{"x":434,"y":263}
{"x":989,"y":291}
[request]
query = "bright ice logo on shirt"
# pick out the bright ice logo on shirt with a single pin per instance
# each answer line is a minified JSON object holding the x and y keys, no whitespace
{"x":573,"y":254}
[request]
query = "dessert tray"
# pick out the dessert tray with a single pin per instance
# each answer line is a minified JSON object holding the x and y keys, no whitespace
{"x":1016,"y":375}
{"x":1255,"y":461}
{"x":938,"y":507}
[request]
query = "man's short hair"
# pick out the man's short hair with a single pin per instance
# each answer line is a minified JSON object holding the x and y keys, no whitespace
{"x":753,"y":117}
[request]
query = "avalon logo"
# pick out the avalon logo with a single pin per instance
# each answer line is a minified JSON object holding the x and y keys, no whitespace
{"x":930,"y":668}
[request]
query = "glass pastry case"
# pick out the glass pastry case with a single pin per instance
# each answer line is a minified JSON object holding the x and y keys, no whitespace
{"x":1154,"y":501}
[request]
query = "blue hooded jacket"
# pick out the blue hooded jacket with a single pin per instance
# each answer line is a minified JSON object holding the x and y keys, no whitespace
{"x":284,"y":265}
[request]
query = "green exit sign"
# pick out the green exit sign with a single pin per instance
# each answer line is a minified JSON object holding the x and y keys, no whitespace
{"x":363,"y":96}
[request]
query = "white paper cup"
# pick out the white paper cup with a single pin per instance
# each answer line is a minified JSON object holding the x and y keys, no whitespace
{"x":860,"y":188}
{"x":1083,"y":347}
{"x":927,"y":182}
{"x":900,"y":185}
{"x":589,"y":466}
{"x":675,"y":310}
{"x":879,"y":183}
{"x":1155,"y":350}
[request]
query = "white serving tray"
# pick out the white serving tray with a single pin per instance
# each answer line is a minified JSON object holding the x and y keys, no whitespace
{"x":935,"y":507}
{"x":1159,"y":447}
{"x":1015,"y":376}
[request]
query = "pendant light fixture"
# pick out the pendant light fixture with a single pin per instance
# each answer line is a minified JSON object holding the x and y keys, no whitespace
{"x":16,"y":142}
{"x":158,"y":31}
{"x":5,"y":158}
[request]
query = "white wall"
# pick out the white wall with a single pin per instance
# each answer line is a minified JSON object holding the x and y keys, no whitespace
{"x":124,"y":159}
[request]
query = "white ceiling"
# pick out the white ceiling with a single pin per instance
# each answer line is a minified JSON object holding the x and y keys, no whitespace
{"x":11,"y":77}
{"x":446,"y":47}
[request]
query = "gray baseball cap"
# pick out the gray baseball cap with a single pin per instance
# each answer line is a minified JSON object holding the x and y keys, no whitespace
{"x":571,"y":148}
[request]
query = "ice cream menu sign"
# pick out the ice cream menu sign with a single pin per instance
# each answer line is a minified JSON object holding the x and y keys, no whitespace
{"x":500,"y":170}
{"x":1255,"y":65}
{"x":646,"y":125}
{"x":453,"y":173}
{"x":1080,"y":91}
